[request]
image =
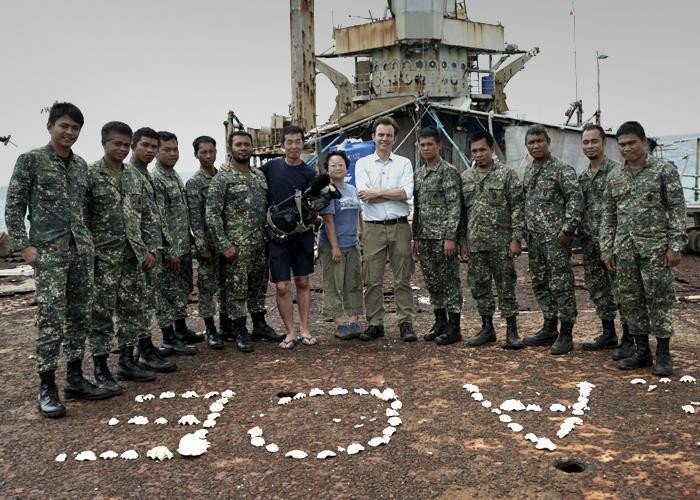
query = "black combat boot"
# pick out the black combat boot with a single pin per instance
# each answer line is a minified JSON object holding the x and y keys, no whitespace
{"x":103,"y":377}
{"x":626,"y":347}
{"x":565,"y":341}
{"x":127,"y":369}
{"x":149,"y":358}
{"x":640,"y":358}
{"x":513,"y":341}
{"x":663,"y":365}
{"x":78,"y":387}
{"x":452,"y":331}
{"x":225,"y":327}
{"x":263,"y":331}
{"x":485,"y":335}
{"x":214,"y":340}
{"x":607,"y":340}
{"x":48,"y":402}
{"x":177,"y":346}
{"x":243,"y":341}
{"x":438,"y":327}
{"x":185,"y":333}
{"x":406,"y":332}
{"x":372,"y":332}
{"x":546,"y":336}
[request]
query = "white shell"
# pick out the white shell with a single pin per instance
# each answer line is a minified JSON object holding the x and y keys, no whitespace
{"x":228,"y":393}
{"x":580,"y":405}
{"x":688,"y":408}
{"x":138,"y":420}
{"x":61,"y":457}
{"x":161,"y":421}
{"x":213,"y":416}
{"x":211,"y":394}
{"x":390,"y":412}
{"x":361,"y":392}
{"x":471,"y":388}
{"x":192,"y":446}
{"x":108,"y":455}
{"x":208,"y":424}
{"x":531,"y":437}
{"x":159,"y":453}
{"x":358,"y":426}
{"x":544,"y":443}
{"x":337,"y":391}
{"x":325,"y":454}
{"x":296,"y":454}
{"x":257,"y":441}
{"x":341,"y":449}
{"x":664,"y":380}
{"x":389,"y":431}
{"x":167,"y":395}
{"x":139,"y":398}
{"x":486,"y":403}
{"x":497,"y":411}
{"x":316,"y":392}
{"x":86,"y":455}
{"x":376,"y":441}
{"x":375,"y":392}
{"x":149,"y":397}
{"x":223,"y":401}
{"x":388,"y":394}
{"x":515,"y":427}
{"x":354,"y":448}
{"x":216,"y":407}
{"x":189,"y":395}
{"x":284,"y":401}
{"x":585,"y":385}
{"x":512,"y":405}
{"x":255,"y":432}
{"x":337,"y":420}
{"x":394,"y":421}
{"x":573,"y":421}
{"x":557,"y":407}
{"x":577,"y":412}
{"x":299,"y":395}
{"x":272,"y":448}
{"x":636,"y":381}
{"x":129,"y":455}
{"x":533,"y":408}
{"x":583,"y":399}
{"x":563,"y":432}
{"x":396,"y":404}
{"x":477,"y":396}
{"x":688,"y":379}
{"x":188,"y":420}
{"x":505,"y":418}
{"x":113,"y":421}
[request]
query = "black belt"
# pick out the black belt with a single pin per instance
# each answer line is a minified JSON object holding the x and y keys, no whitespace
{"x":389,"y":222}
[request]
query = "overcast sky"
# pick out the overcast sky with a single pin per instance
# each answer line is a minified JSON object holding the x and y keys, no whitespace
{"x":180,"y":65}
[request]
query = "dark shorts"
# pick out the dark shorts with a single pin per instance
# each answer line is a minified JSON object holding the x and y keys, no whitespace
{"x":296,"y":255}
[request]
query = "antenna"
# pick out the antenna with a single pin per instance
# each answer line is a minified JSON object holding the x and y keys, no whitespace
{"x":572,"y":13}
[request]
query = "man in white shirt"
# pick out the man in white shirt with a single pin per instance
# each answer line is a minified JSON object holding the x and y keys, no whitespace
{"x":385,"y":183}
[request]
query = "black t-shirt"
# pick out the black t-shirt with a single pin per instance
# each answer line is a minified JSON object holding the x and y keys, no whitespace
{"x":284,"y":179}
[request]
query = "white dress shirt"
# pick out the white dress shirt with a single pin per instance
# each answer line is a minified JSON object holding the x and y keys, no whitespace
{"x":396,"y":172}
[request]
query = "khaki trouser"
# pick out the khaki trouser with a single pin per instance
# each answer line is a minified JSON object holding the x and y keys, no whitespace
{"x":342,"y":282}
{"x":392,"y":242}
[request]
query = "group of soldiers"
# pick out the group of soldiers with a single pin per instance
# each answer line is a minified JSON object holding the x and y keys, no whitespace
{"x":111,"y":245}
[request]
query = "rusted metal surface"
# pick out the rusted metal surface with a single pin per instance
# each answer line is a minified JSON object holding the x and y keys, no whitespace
{"x":301,"y":17}
{"x":343,"y":102}
{"x":478,"y":36}
{"x":365,"y":37}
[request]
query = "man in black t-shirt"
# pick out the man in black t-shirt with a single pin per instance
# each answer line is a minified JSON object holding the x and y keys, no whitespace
{"x":296,"y":255}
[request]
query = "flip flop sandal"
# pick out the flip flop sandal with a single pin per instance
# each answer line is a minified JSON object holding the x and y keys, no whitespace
{"x":307,"y":340}
{"x":288,"y":344}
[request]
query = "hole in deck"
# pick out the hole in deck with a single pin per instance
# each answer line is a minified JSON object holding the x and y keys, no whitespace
{"x":570,"y":466}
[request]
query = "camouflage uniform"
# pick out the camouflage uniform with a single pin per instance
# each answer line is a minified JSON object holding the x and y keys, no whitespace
{"x":600,"y":281}
{"x":54,"y":194}
{"x":236,"y":208}
{"x":494,"y":217}
{"x":120,"y":219}
{"x":553,"y":203}
{"x":207,"y":274}
{"x":436,"y":215}
{"x":172,"y":287}
{"x":644,"y":215}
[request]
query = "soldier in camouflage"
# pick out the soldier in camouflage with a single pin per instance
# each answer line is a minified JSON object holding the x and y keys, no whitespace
{"x":208,"y":262}
{"x":641,"y":236}
{"x":50,"y":184}
{"x":553,"y":207}
{"x":173,"y":282}
{"x":600,"y":281}
{"x":144,"y":146}
{"x":436,"y":215}
{"x":492,"y":229}
{"x":121,"y":222}
{"x":236,"y":208}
